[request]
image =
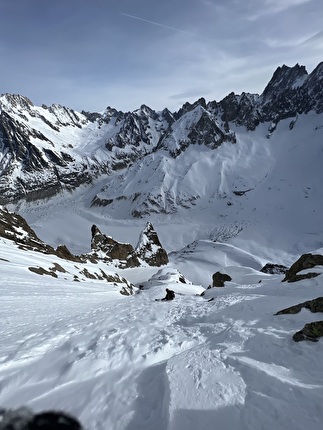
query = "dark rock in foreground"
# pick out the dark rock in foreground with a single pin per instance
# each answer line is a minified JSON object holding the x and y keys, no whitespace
{"x":306,"y":261}
{"x":219,"y":279}
{"x":311,"y":332}
{"x":25,"y":419}
{"x":315,"y":305}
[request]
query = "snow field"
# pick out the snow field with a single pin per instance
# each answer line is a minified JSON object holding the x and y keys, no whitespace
{"x":130,"y":362}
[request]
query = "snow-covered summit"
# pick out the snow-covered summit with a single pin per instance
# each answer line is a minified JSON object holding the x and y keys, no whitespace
{"x":283,"y":79}
{"x":44,"y":150}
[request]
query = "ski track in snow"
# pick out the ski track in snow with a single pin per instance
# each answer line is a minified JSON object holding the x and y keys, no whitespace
{"x":132,"y":363}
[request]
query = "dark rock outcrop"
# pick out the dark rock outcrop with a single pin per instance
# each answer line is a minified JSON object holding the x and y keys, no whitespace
{"x":14,"y":227}
{"x":306,"y":261}
{"x":63,"y":252}
{"x":113,"y":250}
{"x":315,"y":305}
{"x":218,"y":279}
{"x":273,"y":269}
{"x":149,"y":248}
{"x":312,"y":332}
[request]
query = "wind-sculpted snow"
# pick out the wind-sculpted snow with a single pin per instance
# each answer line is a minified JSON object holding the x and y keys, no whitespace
{"x":128,"y":363}
{"x":136,"y":363}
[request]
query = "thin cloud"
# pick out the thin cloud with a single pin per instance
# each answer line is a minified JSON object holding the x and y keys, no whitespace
{"x":193,"y":93}
{"x":276,"y":6}
{"x":280,"y":5}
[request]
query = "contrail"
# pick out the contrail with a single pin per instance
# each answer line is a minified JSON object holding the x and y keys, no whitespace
{"x":159,"y":25}
{"x":318,"y":36}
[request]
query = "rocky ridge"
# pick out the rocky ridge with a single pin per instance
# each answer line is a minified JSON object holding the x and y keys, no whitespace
{"x":314,"y":330}
{"x":106,"y":253}
{"x":148,"y":251}
{"x":46,"y":149}
{"x":149,"y":248}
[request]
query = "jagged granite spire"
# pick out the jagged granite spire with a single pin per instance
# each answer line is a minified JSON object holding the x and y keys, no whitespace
{"x":113,"y":250}
{"x":149,"y":247}
{"x":284,"y":78}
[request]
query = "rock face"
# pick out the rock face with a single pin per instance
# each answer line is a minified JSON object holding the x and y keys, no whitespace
{"x":149,"y":248}
{"x":218,"y":279}
{"x":274,"y":269}
{"x":306,"y":261}
{"x":109,"y":249}
{"x":31,"y":165}
{"x":311,"y":332}
{"x":315,"y":305}
{"x":14,"y":227}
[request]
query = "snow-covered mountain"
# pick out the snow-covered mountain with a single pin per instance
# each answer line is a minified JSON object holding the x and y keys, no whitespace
{"x":246,"y":169}
{"x":230,"y":186}
{"x":48,"y":149}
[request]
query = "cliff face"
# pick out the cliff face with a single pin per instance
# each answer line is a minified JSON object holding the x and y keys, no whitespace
{"x":148,"y":250}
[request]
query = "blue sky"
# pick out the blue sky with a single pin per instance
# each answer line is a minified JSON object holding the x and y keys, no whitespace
{"x":98,"y":53}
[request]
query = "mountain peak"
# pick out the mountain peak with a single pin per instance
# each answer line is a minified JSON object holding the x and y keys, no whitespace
{"x":16,"y":100}
{"x":188,"y":107}
{"x":149,"y":247}
{"x":283,"y":78}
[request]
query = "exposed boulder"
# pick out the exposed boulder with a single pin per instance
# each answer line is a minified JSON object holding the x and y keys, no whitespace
{"x":274,"y":269}
{"x":306,"y":261}
{"x":311,"y":332}
{"x":149,"y":248}
{"x":315,"y":305}
{"x":63,"y":252}
{"x":218,"y":279}
{"x":42,"y":271}
{"x":111,"y":250}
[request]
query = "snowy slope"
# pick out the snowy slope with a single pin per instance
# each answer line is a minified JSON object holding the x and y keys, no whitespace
{"x":262,"y":194}
{"x":130,"y":362}
{"x":228,"y":186}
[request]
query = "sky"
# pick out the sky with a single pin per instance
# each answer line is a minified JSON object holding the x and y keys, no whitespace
{"x":88,"y":55}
